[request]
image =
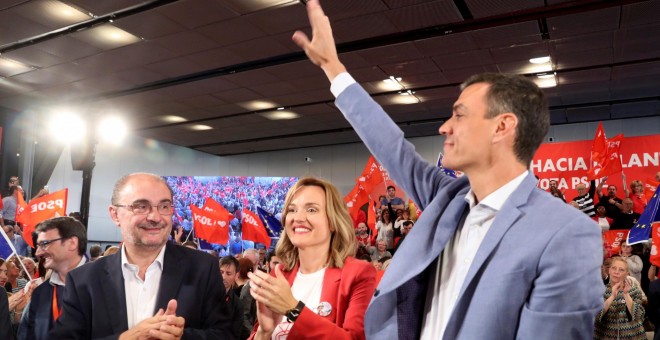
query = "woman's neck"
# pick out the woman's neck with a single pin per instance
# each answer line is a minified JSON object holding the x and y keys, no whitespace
{"x":312,"y":261}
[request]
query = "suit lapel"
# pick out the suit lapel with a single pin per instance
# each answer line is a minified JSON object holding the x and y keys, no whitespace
{"x":113,"y":290}
{"x":170,"y":280}
{"x":504,"y":220}
{"x":329,"y":291}
{"x":434,"y":238}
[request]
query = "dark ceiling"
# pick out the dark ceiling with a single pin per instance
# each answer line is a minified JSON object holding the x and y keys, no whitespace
{"x":227,"y":64}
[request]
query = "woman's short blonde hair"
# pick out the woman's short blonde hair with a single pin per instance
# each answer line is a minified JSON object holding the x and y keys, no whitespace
{"x":342,"y":239}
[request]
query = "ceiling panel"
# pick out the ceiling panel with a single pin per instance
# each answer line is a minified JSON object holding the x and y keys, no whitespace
{"x":222,"y":62}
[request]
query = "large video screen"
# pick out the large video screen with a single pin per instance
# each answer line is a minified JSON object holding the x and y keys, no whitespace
{"x":235,"y":194}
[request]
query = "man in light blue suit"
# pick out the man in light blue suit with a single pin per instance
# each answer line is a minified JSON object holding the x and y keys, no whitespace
{"x":492,"y":256}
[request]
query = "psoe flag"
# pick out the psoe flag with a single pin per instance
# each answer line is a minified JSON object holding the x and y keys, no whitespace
{"x":641,"y":231}
{"x":40,"y":209}
{"x":253,"y":229}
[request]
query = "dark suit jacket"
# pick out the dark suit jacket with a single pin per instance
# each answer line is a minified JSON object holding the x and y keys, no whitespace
{"x":39,"y":318}
{"x":653,"y":308}
{"x":5,"y":323}
{"x":348,"y":290}
{"x":95,"y":301}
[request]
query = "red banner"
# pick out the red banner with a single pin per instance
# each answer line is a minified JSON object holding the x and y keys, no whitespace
{"x":614,"y":238}
{"x":253,"y":229}
{"x":39,"y":209}
{"x":568,"y":162}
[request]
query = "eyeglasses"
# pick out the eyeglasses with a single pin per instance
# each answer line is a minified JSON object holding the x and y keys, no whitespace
{"x":44,"y":244}
{"x":144,"y":207}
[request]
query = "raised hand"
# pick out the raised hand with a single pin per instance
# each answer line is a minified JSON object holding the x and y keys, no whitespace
{"x":321,"y":49}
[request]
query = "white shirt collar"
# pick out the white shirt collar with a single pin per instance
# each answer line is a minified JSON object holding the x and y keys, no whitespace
{"x":55,"y":276}
{"x":497,"y":198}
{"x":159,"y":259}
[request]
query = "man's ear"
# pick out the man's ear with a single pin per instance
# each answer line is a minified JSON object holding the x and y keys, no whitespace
{"x":113,"y":214}
{"x":506,"y":126}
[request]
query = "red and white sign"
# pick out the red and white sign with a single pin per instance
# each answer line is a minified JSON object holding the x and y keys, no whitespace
{"x":568,"y":163}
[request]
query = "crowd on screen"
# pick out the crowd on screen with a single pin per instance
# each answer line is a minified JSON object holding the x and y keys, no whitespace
{"x":234,"y":194}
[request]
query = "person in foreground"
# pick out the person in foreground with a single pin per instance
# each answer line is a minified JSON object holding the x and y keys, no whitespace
{"x":150,"y":288}
{"x":495,"y":263}
{"x":319,"y":291}
{"x":622,"y":315}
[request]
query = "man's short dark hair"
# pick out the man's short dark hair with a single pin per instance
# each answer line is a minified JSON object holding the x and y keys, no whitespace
{"x":407,"y":223}
{"x":269,"y":255}
{"x":229,"y":260}
{"x":95,"y":251}
{"x":68,"y":227}
{"x":520,"y":96}
{"x":391,"y":187}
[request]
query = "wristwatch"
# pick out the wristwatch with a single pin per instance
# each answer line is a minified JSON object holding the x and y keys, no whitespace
{"x":293,"y":314}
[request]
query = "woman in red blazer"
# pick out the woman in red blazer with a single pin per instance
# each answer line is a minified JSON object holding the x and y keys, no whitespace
{"x":319,"y":290}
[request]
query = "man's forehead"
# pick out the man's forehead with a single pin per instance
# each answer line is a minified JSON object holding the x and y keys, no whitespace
{"x":228,"y":267}
{"x":140,"y":185}
{"x":50,"y":233}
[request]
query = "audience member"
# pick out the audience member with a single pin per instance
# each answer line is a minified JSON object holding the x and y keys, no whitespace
{"x":31,"y":267}
{"x":385,"y":229}
{"x":627,"y":217}
{"x":622,"y":314}
{"x":110,"y":250}
{"x":585,"y":199}
{"x":319,"y":290}
{"x":379,"y":251}
{"x":272,"y":261}
{"x":636,"y":195}
{"x":62,"y":242}
{"x":611,"y":202}
{"x":228,"y":270}
{"x":634,"y":261}
{"x":190,"y":245}
{"x":14,"y":280}
{"x":603,"y":221}
{"x":9,"y":204}
{"x":497,"y":124}
{"x":116,"y":296}
{"x":22,"y":248}
{"x":405,"y":229}
{"x":554,"y":190}
{"x":94,"y":252}
{"x":391,"y":201}
{"x":364,"y":239}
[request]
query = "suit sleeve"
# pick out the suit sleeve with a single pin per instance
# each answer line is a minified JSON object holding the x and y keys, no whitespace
{"x":419,"y":179}
{"x":568,"y":290}
{"x":313,"y":326}
{"x":216,"y":323}
{"x":5,"y":323}
{"x":653,"y":308}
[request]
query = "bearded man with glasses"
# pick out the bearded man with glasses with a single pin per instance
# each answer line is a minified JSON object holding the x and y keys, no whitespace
{"x":150,"y":288}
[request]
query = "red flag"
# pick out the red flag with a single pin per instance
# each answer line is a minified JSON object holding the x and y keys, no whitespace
{"x":355,"y":200}
{"x":209,"y":226}
{"x":371,"y":218}
{"x":655,"y":250}
{"x":253,"y":229}
{"x":371,"y":176}
{"x":605,"y":155}
{"x":39,"y":209}
{"x":217,"y":208}
{"x":649,"y":188}
{"x":614,"y":238}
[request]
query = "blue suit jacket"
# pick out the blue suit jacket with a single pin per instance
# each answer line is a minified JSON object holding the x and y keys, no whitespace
{"x":95,"y":301}
{"x":536,"y":274}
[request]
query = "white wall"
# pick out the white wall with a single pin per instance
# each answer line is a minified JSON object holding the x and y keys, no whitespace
{"x":340,"y":164}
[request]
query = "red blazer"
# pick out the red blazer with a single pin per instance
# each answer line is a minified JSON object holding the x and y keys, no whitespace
{"x":348,"y":290}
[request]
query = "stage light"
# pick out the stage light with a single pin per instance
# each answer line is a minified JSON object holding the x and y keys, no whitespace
{"x":112,"y":129}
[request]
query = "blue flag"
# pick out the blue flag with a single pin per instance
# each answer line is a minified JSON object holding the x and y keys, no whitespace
{"x":6,"y":246}
{"x":446,"y":171}
{"x":641,"y":231}
{"x":273,"y":225}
